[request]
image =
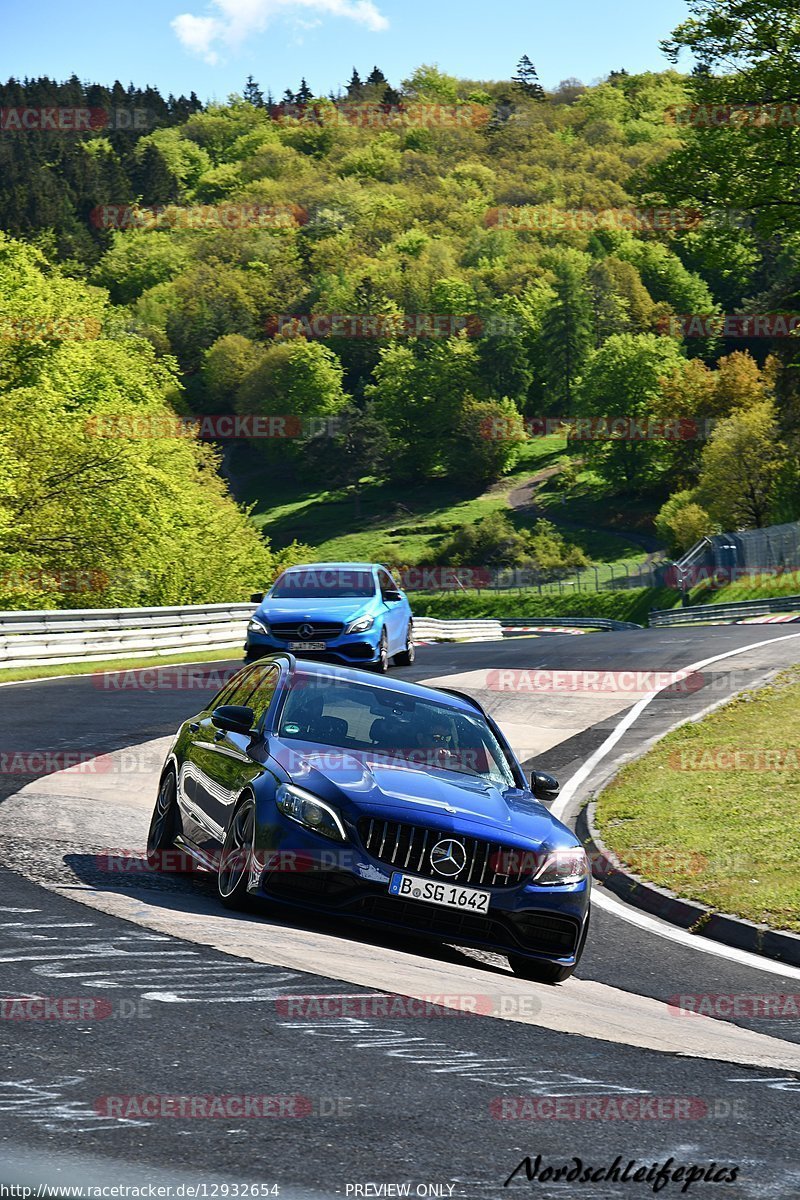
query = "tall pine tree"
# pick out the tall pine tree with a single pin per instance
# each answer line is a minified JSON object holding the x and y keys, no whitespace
{"x":527,"y":80}
{"x":253,"y":94}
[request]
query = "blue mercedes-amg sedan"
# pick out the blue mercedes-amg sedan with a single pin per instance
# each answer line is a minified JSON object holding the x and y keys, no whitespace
{"x":331,"y":789}
{"x":351,"y":613}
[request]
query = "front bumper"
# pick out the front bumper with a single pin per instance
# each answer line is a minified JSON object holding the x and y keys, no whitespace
{"x":543,"y":923}
{"x":350,"y":649}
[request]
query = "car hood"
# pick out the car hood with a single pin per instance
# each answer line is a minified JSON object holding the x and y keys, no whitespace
{"x":323,"y":609}
{"x":398,"y":791}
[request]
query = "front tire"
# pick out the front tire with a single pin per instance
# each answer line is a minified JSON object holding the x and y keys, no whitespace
{"x":165,"y":825}
{"x":406,"y":657}
{"x":233,"y":872}
{"x":382,"y":665}
{"x":539,"y":972}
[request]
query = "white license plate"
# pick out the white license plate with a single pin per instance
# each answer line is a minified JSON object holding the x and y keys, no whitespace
{"x":308,"y":645}
{"x":449,"y":895}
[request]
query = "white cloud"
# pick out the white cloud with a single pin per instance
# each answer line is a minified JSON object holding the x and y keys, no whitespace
{"x":237,"y":20}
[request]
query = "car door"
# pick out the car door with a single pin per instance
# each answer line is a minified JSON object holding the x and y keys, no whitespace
{"x":221,"y":762}
{"x":192,"y":784}
{"x":396,"y":618}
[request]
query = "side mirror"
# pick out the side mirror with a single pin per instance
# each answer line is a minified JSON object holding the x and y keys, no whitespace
{"x":390,"y":595}
{"x":256,"y":597}
{"x":544,"y":786}
{"x":235,"y":718}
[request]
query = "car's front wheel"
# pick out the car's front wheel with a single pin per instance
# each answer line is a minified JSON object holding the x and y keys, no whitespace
{"x":540,"y":972}
{"x":233,"y":872}
{"x":382,"y":664}
{"x":406,"y":657}
{"x":165,"y":825}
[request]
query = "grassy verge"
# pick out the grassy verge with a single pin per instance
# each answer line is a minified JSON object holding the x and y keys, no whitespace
{"x":717,"y":828}
{"x":632,"y":605}
{"x":398,"y":523}
{"x":745,"y":589}
{"x":20,"y":674}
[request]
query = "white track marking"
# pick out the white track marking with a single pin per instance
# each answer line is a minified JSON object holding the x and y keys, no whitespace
{"x":570,"y":788}
{"x":693,"y":941}
{"x":633,"y":915}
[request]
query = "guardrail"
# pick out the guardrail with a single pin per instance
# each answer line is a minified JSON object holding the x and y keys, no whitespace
{"x":724,"y":612}
{"x":60,"y":636}
{"x":604,"y":623}
{"x":432,"y":629}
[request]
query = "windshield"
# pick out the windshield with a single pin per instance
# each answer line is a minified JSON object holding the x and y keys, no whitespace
{"x":393,"y":727}
{"x":310,"y":584}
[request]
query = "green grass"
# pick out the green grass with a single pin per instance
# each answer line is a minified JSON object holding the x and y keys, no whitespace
{"x":395,"y":523}
{"x":743,"y":589}
{"x":632,"y":605}
{"x":20,"y":674}
{"x":403,"y":524}
{"x":689,"y":817}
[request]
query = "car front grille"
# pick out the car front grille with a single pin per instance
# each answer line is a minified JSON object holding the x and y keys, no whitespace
{"x":290,"y":632}
{"x":488,"y":864}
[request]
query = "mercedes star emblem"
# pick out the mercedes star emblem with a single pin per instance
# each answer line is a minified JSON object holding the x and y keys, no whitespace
{"x":306,"y":632}
{"x":448,"y":858}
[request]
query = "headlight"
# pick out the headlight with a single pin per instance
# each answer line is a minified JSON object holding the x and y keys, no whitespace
{"x":256,"y":626}
{"x":361,"y":625}
{"x":310,"y":811}
{"x":563,"y":866}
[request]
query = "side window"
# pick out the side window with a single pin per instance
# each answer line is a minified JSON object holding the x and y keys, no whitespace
{"x":245,"y":684}
{"x":226,"y":694}
{"x":385,"y":582}
{"x":261,"y":695}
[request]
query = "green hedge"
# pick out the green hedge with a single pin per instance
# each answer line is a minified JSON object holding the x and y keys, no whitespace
{"x":632,"y":605}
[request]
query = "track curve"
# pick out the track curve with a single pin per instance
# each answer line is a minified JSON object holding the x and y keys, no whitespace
{"x":55,"y":826}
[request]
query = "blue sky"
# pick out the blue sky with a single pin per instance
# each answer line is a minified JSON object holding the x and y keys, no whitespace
{"x":211,"y":46}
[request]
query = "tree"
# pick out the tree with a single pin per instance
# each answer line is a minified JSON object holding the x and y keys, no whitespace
{"x":152,"y":178}
{"x":419,"y":391}
{"x":358,"y":447}
{"x":749,"y":163}
{"x":527,"y":80}
{"x":355,"y":87}
{"x":253,"y":94}
{"x":295,"y":378}
{"x":225,"y":366}
{"x":377,"y":78}
{"x":488,"y":436}
{"x":304,"y":93}
{"x":566,"y":335}
{"x":609,"y":310}
{"x":681,"y":522}
{"x":742,"y":467}
{"x":104,"y":498}
{"x":623,"y":379}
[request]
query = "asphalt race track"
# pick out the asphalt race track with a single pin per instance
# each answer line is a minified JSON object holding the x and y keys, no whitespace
{"x":190,"y":1000}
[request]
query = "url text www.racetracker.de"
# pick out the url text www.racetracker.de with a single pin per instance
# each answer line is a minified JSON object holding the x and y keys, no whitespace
{"x":657,"y":1175}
